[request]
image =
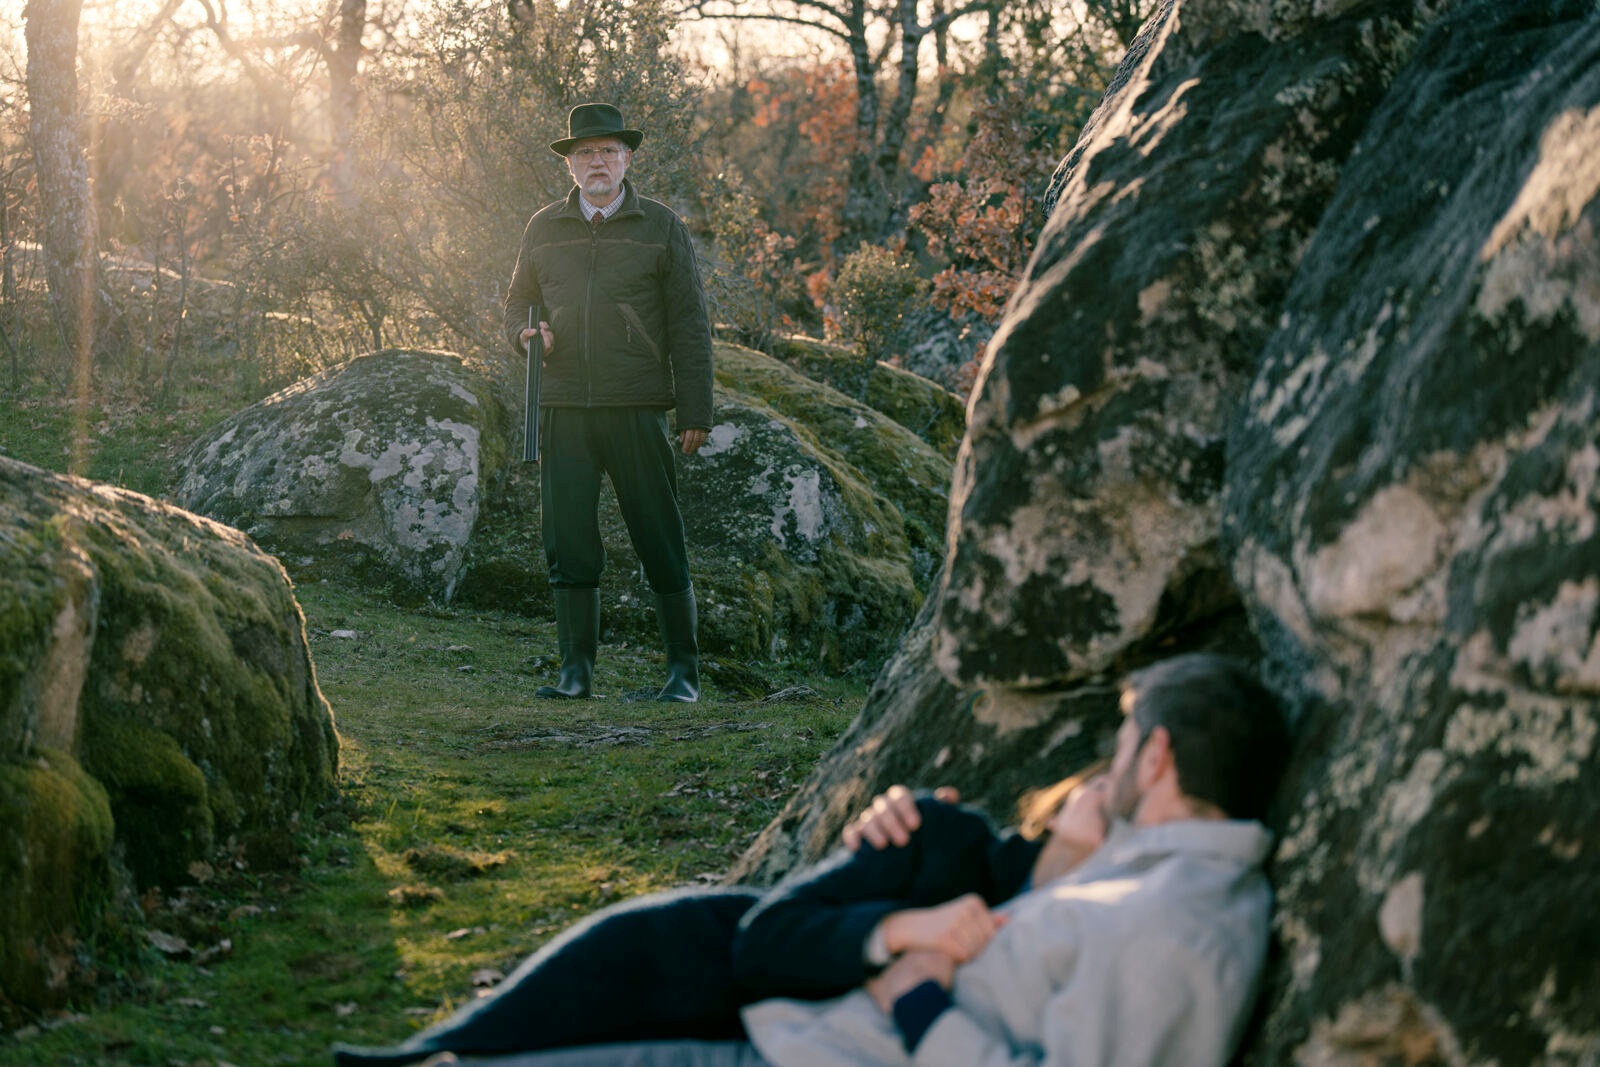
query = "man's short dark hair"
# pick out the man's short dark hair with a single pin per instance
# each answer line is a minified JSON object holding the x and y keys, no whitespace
{"x":1230,"y":741}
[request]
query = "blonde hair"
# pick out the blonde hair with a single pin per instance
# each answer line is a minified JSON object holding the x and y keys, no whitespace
{"x":1037,"y":807}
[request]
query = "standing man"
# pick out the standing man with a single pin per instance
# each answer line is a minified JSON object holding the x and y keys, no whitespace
{"x":627,"y":338}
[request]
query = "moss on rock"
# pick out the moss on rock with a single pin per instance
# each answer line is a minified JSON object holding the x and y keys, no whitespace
{"x":55,"y":848}
{"x":921,"y":405}
{"x":167,"y":655}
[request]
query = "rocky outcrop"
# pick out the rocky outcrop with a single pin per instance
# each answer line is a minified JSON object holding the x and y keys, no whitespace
{"x":1312,"y":342}
{"x":1085,"y":514}
{"x":1412,"y":504}
{"x":156,"y":697}
{"x":815,"y":521}
{"x":375,"y":467}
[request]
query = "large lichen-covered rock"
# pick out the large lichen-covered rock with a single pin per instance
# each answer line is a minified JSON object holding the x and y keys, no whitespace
{"x":1084,"y":509}
{"x":156,"y":695}
{"x":375,"y":467}
{"x":1410,"y":495}
{"x":1414,"y":497}
{"x":814,"y":525}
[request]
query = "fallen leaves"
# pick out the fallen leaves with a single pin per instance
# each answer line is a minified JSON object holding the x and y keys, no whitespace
{"x":444,"y":861}
{"x":410,"y":896}
{"x":169,"y":945}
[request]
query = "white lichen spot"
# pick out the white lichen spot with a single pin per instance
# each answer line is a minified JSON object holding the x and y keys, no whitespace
{"x":1305,"y":949}
{"x":723,"y":437}
{"x":1537,"y":253}
{"x":1154,"y":297}
{"x":1557,"y":642}
{"x":805,"y":505}
{"x":1408,"y":801}
{"x":1400,"y":918}
{"x":1554,"y":739}
{"x":1387,"y":1025}
{"x":1007,"y":709}
{"x":1271,"y":582}
{"x":1394,"y":543}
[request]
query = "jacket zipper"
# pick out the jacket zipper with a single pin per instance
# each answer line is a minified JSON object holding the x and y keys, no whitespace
{"x":588,"y":312}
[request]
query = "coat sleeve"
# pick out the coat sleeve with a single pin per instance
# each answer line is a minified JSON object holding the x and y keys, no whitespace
{"x":522,"y":293}
{"x":807,"y":937}
{"x":688,"y":331}
{"x":1140,"y":1002}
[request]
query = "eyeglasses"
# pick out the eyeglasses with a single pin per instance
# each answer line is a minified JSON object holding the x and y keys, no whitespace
{"x":607,"y":153}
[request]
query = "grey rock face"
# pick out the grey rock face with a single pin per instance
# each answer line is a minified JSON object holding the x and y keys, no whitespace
{"x":1413,"y":500}
{"x":156,"y":694}
{"x":379,"y":464}
{"x":1084,"y":508}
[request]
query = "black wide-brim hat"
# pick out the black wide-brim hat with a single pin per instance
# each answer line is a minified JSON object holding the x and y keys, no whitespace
{"x":595,"y":120}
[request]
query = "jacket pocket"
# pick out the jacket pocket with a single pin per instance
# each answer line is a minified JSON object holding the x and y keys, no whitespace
{"x":635,"y":333}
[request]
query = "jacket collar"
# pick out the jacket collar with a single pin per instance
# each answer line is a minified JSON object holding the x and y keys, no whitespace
{"x":1244,"y":842}
{"x":630,"y":203}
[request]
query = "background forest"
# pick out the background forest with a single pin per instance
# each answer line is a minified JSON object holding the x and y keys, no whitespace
{"x":270,"y":188}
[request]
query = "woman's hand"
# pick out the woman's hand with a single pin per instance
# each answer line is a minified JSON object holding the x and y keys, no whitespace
{"x":891,"y":818}
{"x":959,"y":929}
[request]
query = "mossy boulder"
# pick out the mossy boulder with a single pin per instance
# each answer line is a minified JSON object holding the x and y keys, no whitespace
{"x":156,"y":696}
{"x":815,"y":525}
{"x":894,"y":461}
{"x":373,"y":468}
{"x":920,"y":404}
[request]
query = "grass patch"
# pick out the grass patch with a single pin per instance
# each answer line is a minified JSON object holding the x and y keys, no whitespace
{"x":474,"y":824}
{"x":130,"y":436}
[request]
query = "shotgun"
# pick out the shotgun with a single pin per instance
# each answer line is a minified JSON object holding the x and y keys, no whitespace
{"x":530,"y":396}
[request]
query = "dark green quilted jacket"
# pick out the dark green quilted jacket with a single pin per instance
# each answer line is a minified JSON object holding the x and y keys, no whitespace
{"x":625,"y":304}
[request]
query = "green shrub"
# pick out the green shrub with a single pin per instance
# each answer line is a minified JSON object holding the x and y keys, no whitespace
{"x":875,"y":290}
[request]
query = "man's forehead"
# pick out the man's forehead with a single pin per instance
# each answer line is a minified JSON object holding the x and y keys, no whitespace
{"x":598,"y":142}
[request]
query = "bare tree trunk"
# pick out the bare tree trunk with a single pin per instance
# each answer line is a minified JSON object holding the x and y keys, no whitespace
{"x":861,"y":215}
{"x":344,"y":62}
{"x":63,"y":174}
{"x":897,"y":123}
{"x":8,"y":281}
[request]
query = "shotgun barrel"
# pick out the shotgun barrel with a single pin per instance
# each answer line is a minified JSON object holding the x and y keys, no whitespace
{"x":530,"y":397}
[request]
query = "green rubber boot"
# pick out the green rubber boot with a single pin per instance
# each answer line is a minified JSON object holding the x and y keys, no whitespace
{"x":676,"y":614}
{"x":578,"y":637}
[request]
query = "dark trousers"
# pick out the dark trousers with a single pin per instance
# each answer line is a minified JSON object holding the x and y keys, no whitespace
{"x":634,"y":448}
{"x":659,"y":967}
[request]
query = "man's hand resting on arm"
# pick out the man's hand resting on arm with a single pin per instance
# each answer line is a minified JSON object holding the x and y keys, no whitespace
{"x":958,"y":930}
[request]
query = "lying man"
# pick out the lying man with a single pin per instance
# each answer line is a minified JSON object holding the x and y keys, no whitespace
{"x":1146,"y":953}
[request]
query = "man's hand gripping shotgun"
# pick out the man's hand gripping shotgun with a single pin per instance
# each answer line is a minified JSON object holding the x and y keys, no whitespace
{"x":530,"y":396}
